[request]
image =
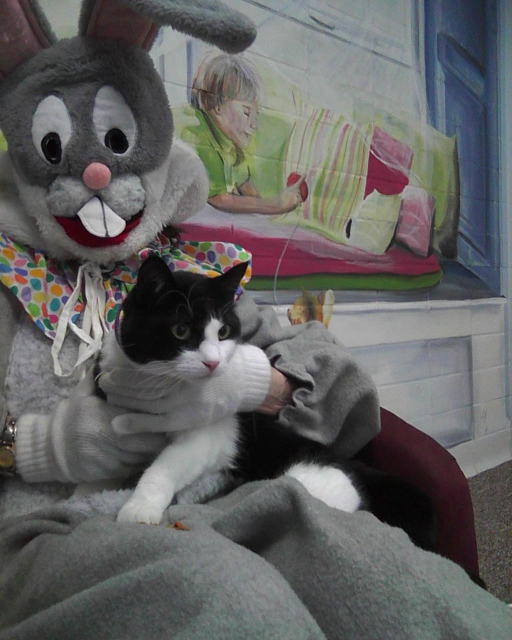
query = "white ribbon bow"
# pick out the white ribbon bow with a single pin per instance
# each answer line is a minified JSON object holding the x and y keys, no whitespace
{"x":94,"y":326}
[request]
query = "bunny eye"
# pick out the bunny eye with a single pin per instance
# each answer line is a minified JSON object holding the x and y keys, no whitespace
{"x":116,"y":141}
{"x":114,"y":121}
{"x":52,"y":147}
{"x":51,"y":129}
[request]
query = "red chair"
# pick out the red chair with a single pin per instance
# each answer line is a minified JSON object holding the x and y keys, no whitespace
{"x":405,"y":451}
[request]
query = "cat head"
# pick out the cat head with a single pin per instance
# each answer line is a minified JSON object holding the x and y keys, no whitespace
{"x":182,"y":322}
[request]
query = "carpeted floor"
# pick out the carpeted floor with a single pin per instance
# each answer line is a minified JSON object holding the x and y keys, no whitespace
{"x":492,"y":502}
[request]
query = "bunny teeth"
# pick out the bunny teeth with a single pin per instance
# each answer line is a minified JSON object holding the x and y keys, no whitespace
{"x":99,"y":219}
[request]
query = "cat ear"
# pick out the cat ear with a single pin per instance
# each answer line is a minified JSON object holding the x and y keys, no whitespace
{"x":154,"y":279}
{"x":230,"y":281}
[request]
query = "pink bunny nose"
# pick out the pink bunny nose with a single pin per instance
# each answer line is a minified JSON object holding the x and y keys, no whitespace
{"x":97,"y":176}
{"x":211,"y":364}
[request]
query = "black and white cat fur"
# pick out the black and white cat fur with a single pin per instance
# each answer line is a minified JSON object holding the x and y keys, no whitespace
{"x":158,"y":326}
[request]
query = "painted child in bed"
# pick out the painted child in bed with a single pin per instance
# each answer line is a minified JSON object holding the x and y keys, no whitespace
{"x":225,"y":96}
{"x":358,"y":175}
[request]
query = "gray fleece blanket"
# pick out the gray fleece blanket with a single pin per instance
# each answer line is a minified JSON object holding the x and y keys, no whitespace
{"x":267,"y":561}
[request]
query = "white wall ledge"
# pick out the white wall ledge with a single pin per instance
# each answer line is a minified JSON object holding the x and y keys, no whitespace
{"x":483,"y":453}
{"x":419,"y":305}
{"x":374,"y":323}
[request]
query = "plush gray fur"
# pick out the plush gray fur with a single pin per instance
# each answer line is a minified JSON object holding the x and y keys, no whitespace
{"x":17,"y":498}
{"x":10,"y":313}
{"x":75,"y":69}
{"x":208,"y":486}
{"x":173,"y":192}
{"x":173,"y":182}
{"x":209,"y":20}
{"x":29,"y":393}
{"x":165,"y":182}
{"x":125,"y":195}
{"x":14,"y":220}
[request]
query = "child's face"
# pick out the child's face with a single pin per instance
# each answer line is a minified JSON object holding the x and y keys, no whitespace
{"x":238,"y":120}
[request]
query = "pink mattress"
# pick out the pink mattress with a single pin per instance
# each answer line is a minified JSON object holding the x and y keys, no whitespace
{"x":301,"y":258}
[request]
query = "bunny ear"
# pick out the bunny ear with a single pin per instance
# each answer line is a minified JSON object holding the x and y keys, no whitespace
{"x":138,"y":21}
{"x":116,"y":20}
{"x":24,"y":31}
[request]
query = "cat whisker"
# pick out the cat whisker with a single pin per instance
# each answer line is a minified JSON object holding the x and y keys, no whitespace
{"x":186,"y":307}
{"x":190,"y":293}
{"x":167,"y":368}
{"x":227,"y":306}
{"x":175,"y":291}
{"x":166,"y":388}
{"x":157,"y":379}
{"x":167,"y":383}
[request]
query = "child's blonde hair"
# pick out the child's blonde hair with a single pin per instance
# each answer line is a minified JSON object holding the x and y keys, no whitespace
{"x":224,"y":78}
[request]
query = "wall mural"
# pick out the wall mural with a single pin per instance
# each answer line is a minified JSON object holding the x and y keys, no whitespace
{"x":352,"y":146}
{"x":363,"y":198}
{"x":346,"y":198}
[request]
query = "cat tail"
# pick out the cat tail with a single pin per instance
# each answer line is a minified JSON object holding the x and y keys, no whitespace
{"x":400,"y":504}
{"x":351,"y":486}
{"x":396,"y":502}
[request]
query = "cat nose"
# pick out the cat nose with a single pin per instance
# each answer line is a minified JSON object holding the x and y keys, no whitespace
{"x":211,"y":364}
{"x":97,"y":176}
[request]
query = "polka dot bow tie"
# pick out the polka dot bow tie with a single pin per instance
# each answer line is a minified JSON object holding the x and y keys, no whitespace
{"x":57,"y":294}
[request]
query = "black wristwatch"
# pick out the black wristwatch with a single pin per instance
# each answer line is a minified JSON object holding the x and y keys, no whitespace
{"x":8,"y":447}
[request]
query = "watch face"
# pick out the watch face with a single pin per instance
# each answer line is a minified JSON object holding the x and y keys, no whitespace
{"x":7,"y":461}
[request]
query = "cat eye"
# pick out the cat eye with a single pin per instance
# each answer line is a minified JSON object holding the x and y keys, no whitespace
{"x":181,"y":331}
{"x":224,"y":332}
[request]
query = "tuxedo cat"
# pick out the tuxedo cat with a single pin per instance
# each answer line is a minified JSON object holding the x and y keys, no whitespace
{"x":187,"y":323}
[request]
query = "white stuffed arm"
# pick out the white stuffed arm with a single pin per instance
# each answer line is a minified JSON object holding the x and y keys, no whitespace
{"x":77,"y":442}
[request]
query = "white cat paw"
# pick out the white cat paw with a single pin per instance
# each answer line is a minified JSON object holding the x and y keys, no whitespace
{"x":141,"y":511}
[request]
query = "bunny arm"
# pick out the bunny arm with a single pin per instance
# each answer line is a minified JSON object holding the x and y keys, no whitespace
{"x":10,"y":313}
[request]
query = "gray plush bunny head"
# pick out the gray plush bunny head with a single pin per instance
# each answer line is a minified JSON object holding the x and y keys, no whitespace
{"x":88,"y":125}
